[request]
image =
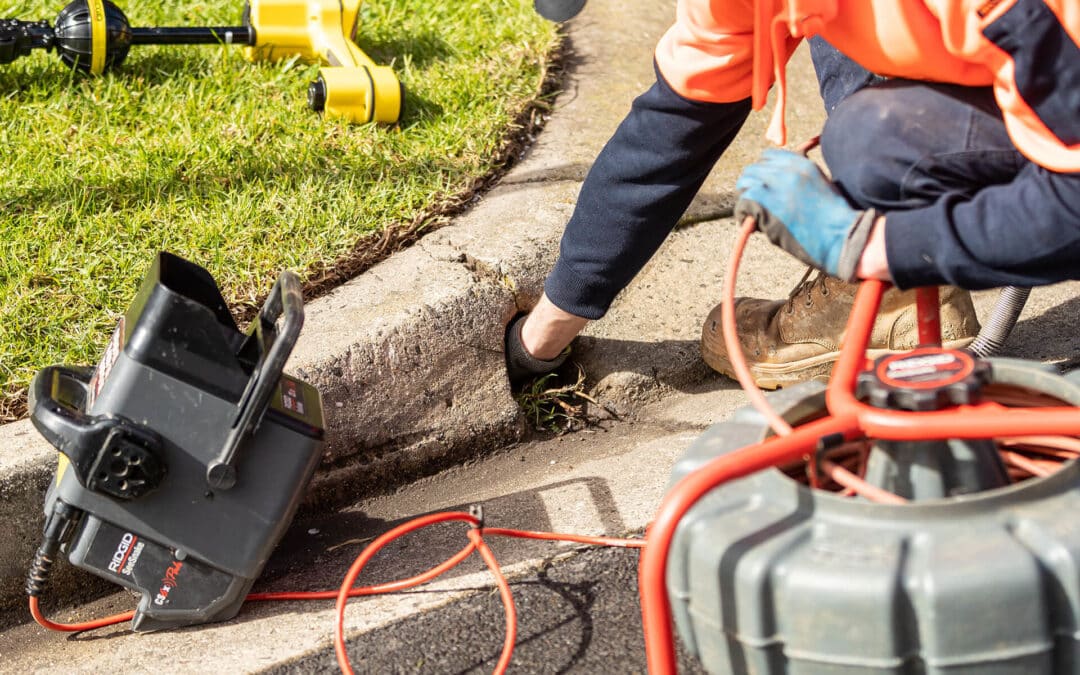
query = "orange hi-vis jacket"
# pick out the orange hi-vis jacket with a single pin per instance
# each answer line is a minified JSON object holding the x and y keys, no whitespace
{"x":729,"y":50}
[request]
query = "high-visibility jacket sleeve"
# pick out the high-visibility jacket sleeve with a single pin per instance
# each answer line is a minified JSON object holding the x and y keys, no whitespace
{"x":725,"y":50}
{"x":707,"y":55}
{"x":1031,"y":47}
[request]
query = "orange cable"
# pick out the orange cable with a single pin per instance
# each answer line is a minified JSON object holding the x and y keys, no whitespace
{"x":576,"y":538}
{"x":731,"y":339}
{"x":35,"y":611}
{"x":508,"y":600}
{"x":858,"y":485}
{"x":1015,"y":459}
{"x":1066,"y":444}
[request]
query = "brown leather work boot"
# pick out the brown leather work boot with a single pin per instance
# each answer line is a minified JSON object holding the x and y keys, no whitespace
{"x":793,"y":340}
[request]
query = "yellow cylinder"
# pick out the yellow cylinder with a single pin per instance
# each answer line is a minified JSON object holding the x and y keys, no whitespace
{"x":358,"y":94}
{"x":389,"y":95}
{"x":349,"y":93}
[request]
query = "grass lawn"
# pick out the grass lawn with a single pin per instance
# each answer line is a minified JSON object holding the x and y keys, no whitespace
{"x":196,"y":151}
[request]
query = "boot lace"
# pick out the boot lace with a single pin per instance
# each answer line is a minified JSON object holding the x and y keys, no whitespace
{"x":805,"y":289}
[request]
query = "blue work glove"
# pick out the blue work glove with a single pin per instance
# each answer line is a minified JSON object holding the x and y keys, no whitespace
{"x":801,"y":211}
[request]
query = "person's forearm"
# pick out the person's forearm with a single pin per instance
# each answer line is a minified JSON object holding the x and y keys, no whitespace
{"x":548,"y":330}
{"x":1023,"y":233}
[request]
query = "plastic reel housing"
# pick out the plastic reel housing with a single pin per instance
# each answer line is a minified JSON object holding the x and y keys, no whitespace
{"x":768,"y":576}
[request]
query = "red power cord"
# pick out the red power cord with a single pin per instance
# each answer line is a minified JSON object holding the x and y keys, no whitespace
{"x":476,"y":544}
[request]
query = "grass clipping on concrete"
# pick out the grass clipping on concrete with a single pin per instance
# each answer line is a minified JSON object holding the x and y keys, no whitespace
{"x":196,"y":151}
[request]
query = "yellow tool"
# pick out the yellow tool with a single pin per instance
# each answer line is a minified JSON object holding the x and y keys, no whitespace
{"x":94,"y":35}
{"x":351,"y":85}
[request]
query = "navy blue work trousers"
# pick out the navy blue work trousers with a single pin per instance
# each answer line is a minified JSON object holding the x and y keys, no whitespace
{"x":963,"y":205}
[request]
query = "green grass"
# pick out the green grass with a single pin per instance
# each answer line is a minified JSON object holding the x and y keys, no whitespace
{"x":196,"y":151}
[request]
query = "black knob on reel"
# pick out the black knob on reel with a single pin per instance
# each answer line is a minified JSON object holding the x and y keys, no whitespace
{"x":74,"y":35}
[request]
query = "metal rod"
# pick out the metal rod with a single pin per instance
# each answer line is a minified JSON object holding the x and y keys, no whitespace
{"x":192,"y":35}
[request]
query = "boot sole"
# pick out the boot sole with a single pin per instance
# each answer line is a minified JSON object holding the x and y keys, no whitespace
{"x":778,"y":375}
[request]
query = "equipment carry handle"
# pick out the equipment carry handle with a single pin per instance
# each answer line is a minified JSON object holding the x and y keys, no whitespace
{"x":64,"y":425}
{"x":275,"y":345}
{"x":108,"y":453}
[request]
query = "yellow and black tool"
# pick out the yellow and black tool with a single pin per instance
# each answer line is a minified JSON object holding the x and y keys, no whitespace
{"x":94,"y":35}
{"x":350,"y":85}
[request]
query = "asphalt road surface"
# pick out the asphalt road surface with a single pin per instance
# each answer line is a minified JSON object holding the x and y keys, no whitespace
{"x":575,"y":615}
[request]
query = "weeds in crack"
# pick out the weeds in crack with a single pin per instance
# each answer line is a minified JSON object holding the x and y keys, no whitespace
{"x":557,"y":409}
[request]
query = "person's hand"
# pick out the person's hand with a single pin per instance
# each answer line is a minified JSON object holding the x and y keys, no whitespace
{"x":537,"y":343}
{"x":802,"y":212}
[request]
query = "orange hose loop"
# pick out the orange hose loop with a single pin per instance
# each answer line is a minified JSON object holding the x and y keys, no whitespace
{"x":858,"y":485}
{"x":731,"y":339}
{"x":476,"y":543}
{"x":367,"y":554}
{"x":35,"y":611}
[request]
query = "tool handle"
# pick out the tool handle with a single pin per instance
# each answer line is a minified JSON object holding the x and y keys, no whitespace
{"x":108,"y":453}
{"x":57,"y":397}
{"x":287,"y":302}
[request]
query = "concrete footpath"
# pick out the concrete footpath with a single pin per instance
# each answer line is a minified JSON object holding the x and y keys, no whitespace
{"x":409,"y":361}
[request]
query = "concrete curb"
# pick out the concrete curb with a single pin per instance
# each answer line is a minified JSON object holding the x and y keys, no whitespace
{"x":408,"y":356}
